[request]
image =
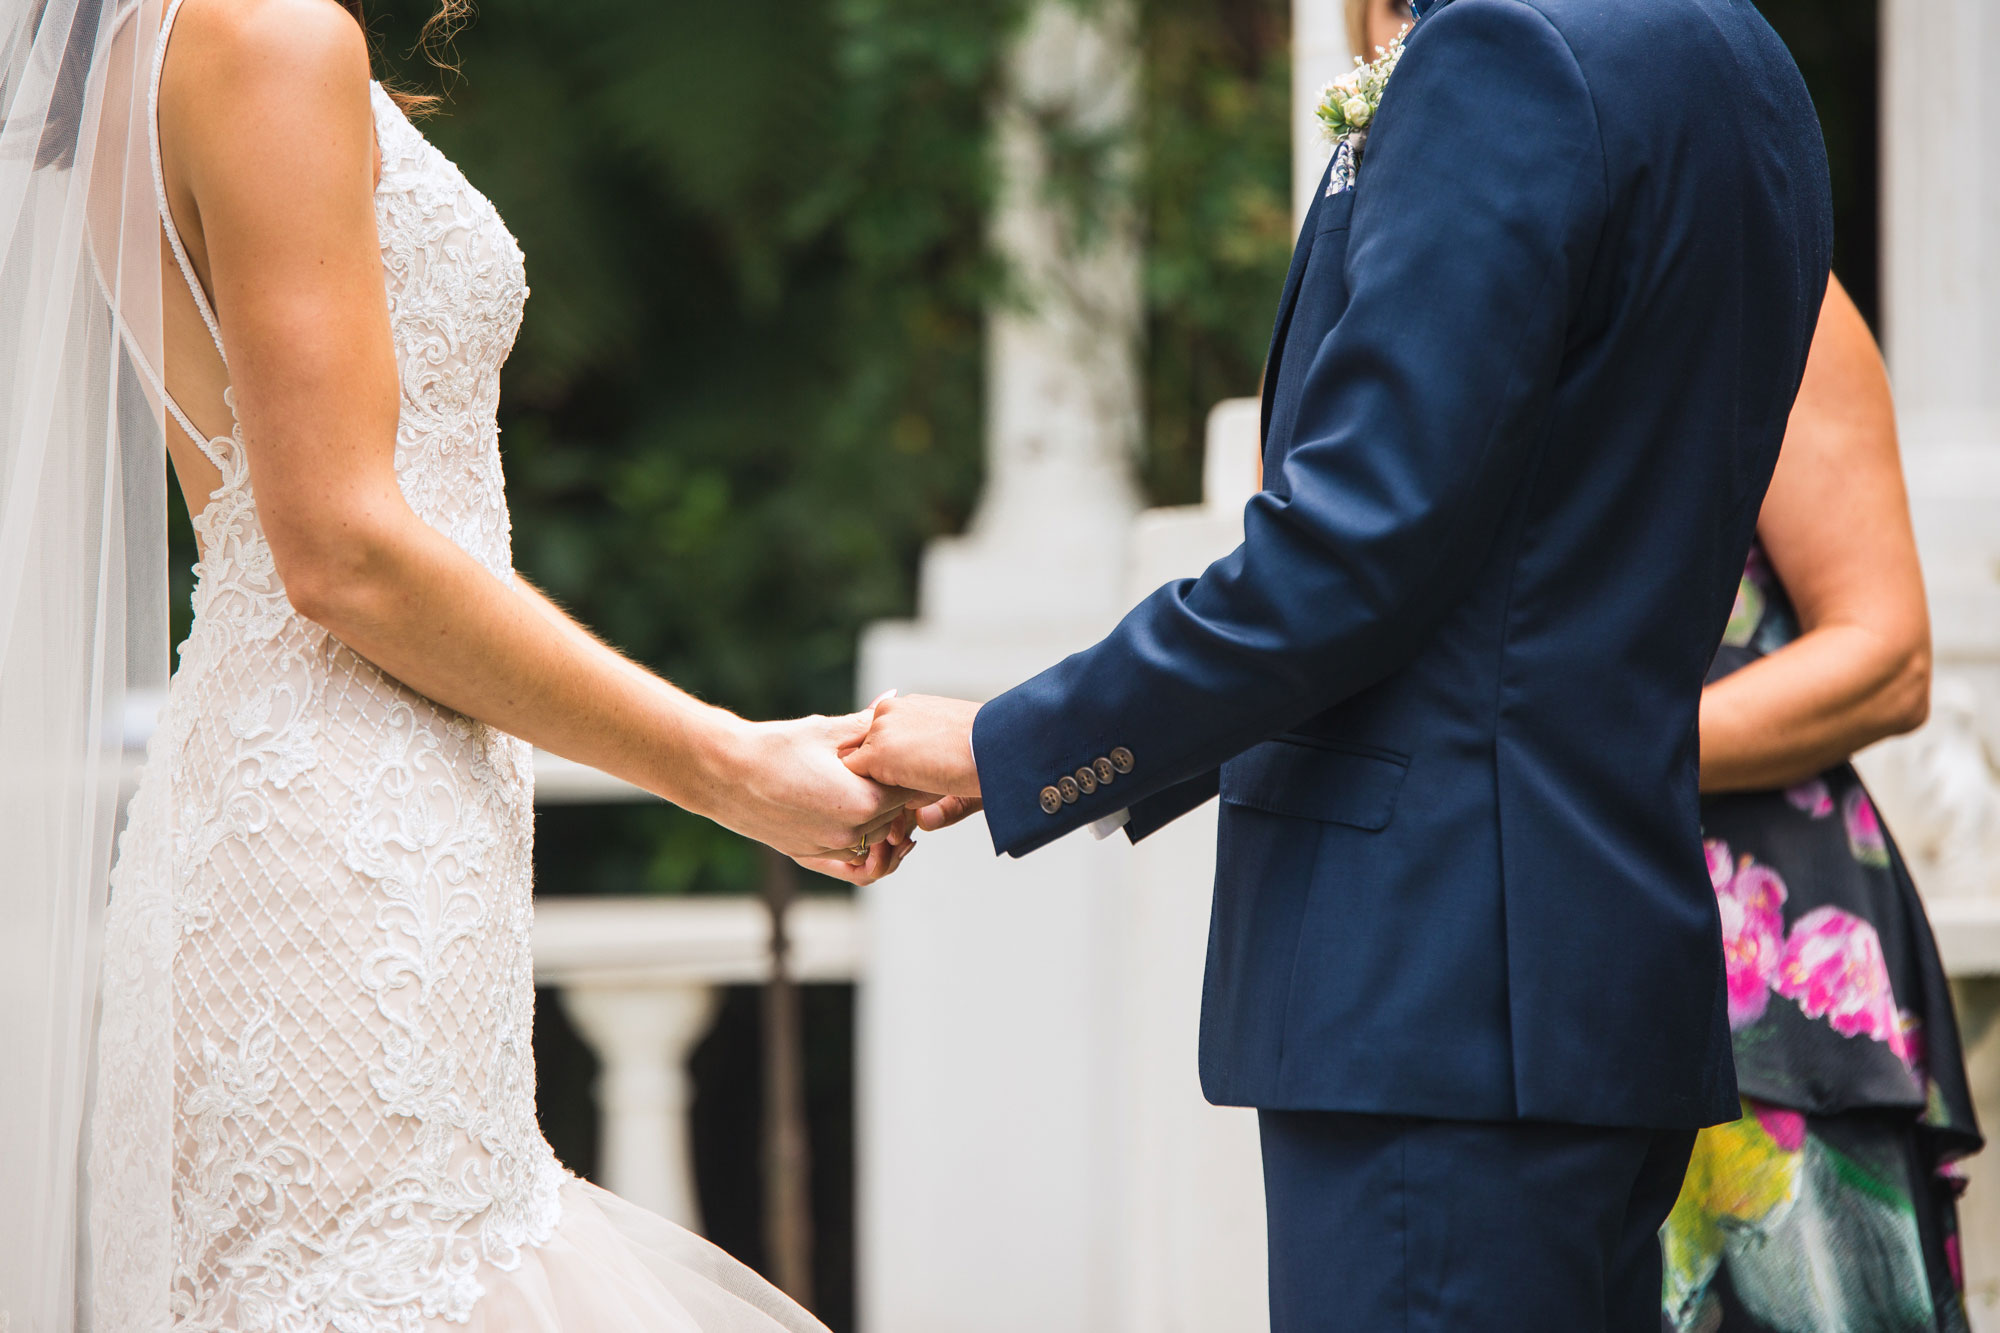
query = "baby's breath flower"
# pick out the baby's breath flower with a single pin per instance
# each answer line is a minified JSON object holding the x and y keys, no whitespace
{"x":1348,"y":104}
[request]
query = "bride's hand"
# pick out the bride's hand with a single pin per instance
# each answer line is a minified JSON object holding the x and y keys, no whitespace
{"x":783,"y":783}
{"x":882,"y":858}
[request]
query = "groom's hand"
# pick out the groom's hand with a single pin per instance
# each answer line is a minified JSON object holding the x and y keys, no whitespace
{"x":787,"y":786}
{"x":923,"y":743}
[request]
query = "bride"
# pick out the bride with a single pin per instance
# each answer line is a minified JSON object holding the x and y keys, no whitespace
{"x":313,"y":1096}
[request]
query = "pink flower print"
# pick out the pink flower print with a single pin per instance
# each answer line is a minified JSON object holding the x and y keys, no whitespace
{"x":1720,"y":868}
{"x":1786,"y":1128}
{"x":1812,"y":797}
{"x":1751,"y":904}
{"x":1833,"y":967}
{"x":1916,"y":1051}
{"x":1864,"y":829}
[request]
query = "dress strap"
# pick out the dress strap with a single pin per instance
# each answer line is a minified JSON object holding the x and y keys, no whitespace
{"x":173,"y":233}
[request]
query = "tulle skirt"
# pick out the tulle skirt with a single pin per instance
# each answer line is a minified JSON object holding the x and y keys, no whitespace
{"x":613,"y":1267}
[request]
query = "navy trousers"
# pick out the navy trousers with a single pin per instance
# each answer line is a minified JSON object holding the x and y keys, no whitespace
{"x":1389,"y":1224}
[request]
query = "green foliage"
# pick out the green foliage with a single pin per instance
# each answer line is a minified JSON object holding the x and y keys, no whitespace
{"x":1215,"y":187}
{"x":748,"y":384}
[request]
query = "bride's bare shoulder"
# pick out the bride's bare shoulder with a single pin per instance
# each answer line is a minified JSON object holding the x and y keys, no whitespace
{"x":255,"y":57}
{"x":265,"y":94}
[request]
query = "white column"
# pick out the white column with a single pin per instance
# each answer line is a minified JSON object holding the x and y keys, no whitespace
{"x":1062,"y":363}
{"x":1941,"y":210}
{"x":1320,"y":54}
{"x":1939,"y":789}
{"x":643,"y":1035}
{"x":1941,"y":213}
{"x":985,"y":1158}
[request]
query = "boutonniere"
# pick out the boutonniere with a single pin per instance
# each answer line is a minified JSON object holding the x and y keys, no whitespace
{"x":1347,"y":108}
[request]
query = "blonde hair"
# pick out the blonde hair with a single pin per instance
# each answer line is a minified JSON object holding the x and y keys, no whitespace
{"x":434,"y":40}
{"x":1357,"y":27}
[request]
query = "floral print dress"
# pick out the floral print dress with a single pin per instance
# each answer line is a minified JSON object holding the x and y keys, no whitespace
{"x":1830,"y":1207}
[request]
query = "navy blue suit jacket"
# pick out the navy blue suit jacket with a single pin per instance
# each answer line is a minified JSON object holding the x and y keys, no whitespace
{"x":1526,"y":390}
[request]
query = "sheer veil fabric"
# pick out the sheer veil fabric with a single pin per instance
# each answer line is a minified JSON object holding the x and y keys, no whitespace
{"x":83,"y":626}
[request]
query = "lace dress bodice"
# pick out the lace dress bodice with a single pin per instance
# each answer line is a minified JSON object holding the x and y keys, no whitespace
{"x":342,"y":868}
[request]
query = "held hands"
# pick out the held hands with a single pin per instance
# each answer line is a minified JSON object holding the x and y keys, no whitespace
{"x":787,"y":787}
{"x":922,"y":743}
{"x":842,"y":795}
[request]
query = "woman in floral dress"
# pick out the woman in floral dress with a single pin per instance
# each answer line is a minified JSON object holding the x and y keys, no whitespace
{"x":1830,"y":1207}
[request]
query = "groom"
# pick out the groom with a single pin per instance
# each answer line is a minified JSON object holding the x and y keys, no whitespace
{"x":1528,"y":382}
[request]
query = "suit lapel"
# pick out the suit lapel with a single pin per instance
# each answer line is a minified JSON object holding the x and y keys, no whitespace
{"x":1300,"y":254}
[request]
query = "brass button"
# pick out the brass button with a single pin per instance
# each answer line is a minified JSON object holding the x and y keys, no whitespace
{"x":1121,"y":759}
{"x":1051,"y":800}
{"x":1106,"y":774}
{"x":1086,"y":778}
{"x":1069,"y":790}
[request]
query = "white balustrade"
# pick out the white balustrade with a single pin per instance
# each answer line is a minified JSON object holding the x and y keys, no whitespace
{"x":643,"y":1035}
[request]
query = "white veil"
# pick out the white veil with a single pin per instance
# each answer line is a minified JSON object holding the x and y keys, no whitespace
{"x":83,"y":624}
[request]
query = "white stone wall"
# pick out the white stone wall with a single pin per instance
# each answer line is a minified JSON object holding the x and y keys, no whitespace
{"x":1941,"y":228}
{"x":1939,"y":789}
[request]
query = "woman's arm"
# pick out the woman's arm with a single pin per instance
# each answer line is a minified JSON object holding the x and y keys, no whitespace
{"x":1836,"y":525}
{"x":269,"y":137}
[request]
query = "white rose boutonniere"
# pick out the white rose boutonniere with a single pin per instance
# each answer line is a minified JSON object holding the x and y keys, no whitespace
{"x":1347,"y":108}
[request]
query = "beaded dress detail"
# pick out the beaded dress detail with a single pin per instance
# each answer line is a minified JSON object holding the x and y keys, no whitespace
{"x":335,"y":874}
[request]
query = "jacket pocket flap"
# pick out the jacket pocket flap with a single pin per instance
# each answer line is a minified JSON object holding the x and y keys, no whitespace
{"x":1333,"y":786}
{"x":1337,"y":211}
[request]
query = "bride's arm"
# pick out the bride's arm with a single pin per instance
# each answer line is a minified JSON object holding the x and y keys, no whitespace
{"x":269,"y":140}
{"x":1836,"y":526}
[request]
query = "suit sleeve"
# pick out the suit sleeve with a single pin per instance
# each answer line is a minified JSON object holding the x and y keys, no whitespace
{"x":1480,"y":209}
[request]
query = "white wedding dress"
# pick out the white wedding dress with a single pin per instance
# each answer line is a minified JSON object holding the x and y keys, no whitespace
{"x":330,"y":876}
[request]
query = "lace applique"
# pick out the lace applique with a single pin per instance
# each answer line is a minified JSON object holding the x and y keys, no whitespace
{"x":456,"y":292}
{"x":332,"y":875}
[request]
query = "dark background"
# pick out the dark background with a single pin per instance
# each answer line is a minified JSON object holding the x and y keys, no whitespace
{"x":748,"y":389}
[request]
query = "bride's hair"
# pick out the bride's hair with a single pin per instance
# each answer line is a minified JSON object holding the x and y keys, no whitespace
{"x":1357,"y":27}
{"x":433,"y":39}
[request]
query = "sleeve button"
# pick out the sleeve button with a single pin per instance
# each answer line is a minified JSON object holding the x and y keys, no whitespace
{"x":1086,"y":778}
{"x":1121,"y":759}
{"x":1052,"y":800}
{"x":1069,"y":791}
{"x":1105,"y":772}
